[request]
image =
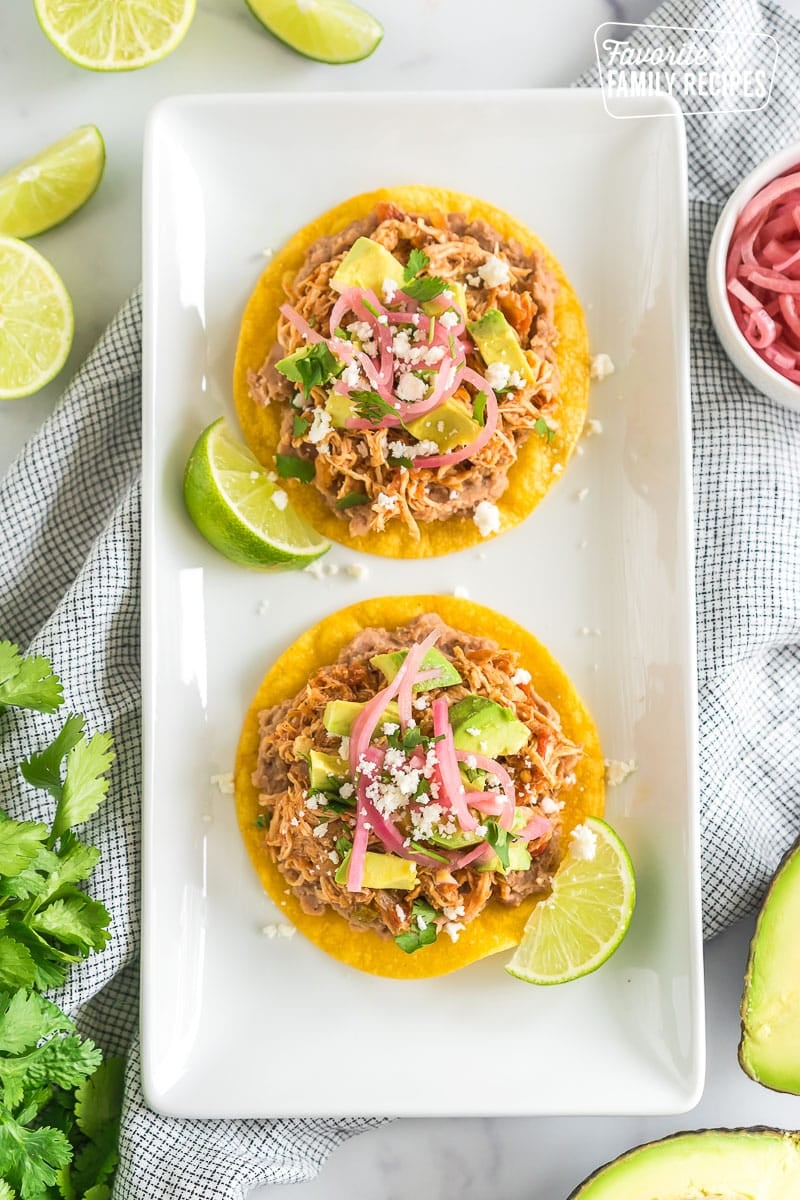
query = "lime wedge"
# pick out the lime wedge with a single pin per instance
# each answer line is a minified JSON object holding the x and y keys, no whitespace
{"x":330,"y":31}
{"x":240,"y":510}
{"x":115,"y":35}
{"x":587,"y":914}
{"x":44,"y":190}
{"x":36,"y":322}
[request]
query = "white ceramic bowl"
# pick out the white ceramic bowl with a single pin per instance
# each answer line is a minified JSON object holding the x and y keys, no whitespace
{"x":741,"y":354}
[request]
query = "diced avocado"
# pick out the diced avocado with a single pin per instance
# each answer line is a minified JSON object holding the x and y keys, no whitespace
{"x":340,"y":714}
{"x":390,"y":664}
{"x":763,"y":1164}
{"x":366,"y":265}
{"x":458,"y":427}
{"x":473,"y":778}
{"x":769,"y":1051}
{"x":387,"y":871}
{"x":339,"y":408}
{"x":519,"y":859}
{"x":482,"y":726}
{"x":327,"y":770}
{"x":456,"y":841}
{"x":497,"y":342}
{"x":522,"y":817}
{"x":433,"y":308}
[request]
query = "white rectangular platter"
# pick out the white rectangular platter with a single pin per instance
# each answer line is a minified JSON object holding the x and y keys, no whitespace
{"x":235,"y":1024}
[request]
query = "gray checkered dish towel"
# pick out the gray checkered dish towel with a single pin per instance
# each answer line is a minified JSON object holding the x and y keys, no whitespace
{"x":69,"y":587}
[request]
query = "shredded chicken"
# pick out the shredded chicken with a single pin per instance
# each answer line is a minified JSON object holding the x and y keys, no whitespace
{"x":303,"y":838}
{"x":348,"y":460}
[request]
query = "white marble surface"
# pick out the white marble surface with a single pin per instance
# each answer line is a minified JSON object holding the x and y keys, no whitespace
{"x":428,"y":44}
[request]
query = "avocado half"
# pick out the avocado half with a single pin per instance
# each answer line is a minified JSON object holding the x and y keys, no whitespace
{"x":769,"y":1051}
{"x":718,"y":1164}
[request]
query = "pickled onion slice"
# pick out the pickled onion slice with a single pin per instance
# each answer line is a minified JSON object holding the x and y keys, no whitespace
{"x":763,"y":274}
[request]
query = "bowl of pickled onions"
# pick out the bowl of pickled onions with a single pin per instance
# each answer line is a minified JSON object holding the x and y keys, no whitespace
{"x":753,"y":277}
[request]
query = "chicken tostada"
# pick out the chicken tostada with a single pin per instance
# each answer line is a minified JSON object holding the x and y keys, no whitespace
{"x":406,"y":781}
{"x":415,"y":364}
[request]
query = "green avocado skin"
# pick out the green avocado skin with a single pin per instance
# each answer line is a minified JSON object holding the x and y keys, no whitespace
{"x":717,"y":1163}
{"x":769,"y":1049}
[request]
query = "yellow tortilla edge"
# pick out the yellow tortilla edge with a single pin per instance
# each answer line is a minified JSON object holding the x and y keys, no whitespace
{"x":539,"y":463}
{"x":498,"y":927}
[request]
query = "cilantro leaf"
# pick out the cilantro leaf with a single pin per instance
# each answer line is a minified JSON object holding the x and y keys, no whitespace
{"x":85,"y":784}
{"x":299,"y":425}
{"x":424,"y":289}
{"x":63,"y":1061}
{"x":289,"y":466}
{"x":351,"y":499}
{"x":74,"y":862}
{"x":417,"y":261}
{"x":260,"y":821}
{"x":423,"y":931}
{"x":498,"y":840}
{"x":20,"y":842}
{"x":343,"y":846}
{"x":74,"y":920}
{"x":28,"y":682}
{"x":311,"y":367}
{"x":402,"y":461}
{"x":43,"y":770}
{"x":479,"y":408}
{"x":543,"y":429}
{"x":26,"y":1018}
{"x":30,"y":1158}
{"x":16,"y":963}
{"x":371,"y":407}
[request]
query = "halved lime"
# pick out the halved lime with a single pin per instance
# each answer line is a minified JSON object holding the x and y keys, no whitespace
{"x":330,"y":31}
{"x":36,"y":322}
{"x":240,"y":510}
{"x":586,"y":916}
{"x":44,"y":190}
{"x":115,"y":35}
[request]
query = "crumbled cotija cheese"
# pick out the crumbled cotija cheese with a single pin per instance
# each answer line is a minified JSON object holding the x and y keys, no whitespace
{"x":497,"y":375}
{"x":601,"y":367}
{"x":618,"y":770}
{"x":321,"y":426}
{"x":487,"y":518}
{"x":280,"y":499}
{"x":494,"y":272}
{"x":583,"y":842}
{"x":224,"y":782}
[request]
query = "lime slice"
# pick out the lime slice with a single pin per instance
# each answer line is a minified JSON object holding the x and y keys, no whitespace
{"x":330,"y":31}
{"x":587,"y":914}
{"x":36,"y":322}
{"x":44,"y":190}
{"x":115,"y":35}
{"x":240,"y":510}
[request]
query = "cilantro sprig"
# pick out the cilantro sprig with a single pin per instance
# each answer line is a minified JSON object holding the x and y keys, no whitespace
{"x":291,"y":466}
{"x":543,"y":429}
{"x":418,"y":287}
{"x":59,"y":1102}
{"x":348,"y":500}
{"x":423,"y":931}
{"x":498,"y":840}
{"x":311,"y":367}
{"x":27,"y":682}
{"x":370,"y":406}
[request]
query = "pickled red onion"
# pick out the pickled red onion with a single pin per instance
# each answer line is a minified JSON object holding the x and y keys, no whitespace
{"x":412,"y":663}
{"x":494,"y":768}
{"x":763,"y":274}
{"x":301,"y":325}
{"x":456,"y":456}
{"x":451,"y":787}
